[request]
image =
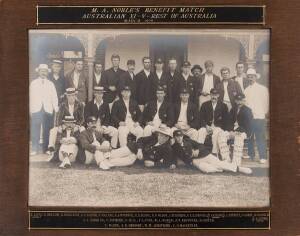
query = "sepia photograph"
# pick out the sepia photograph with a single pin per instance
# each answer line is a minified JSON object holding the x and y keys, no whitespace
{"x":149,"y":118}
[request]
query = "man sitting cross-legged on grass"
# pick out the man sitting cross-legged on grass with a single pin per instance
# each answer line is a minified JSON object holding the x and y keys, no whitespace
{"x":66,"y":142}
{"x":95,"y":147}
{"x":196,"y":154}
{"x":155,"y":150}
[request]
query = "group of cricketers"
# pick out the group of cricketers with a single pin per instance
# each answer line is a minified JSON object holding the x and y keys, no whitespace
{"x":157,"y":117}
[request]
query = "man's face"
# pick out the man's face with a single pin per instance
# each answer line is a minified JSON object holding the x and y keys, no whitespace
{"x":56,"y":68}
{"x":43,"y":73}
{"x":126,"y":94}
{"x":162,"y":138}
{"x":178,"y":139}
{"x":240,"y":102}
{"x":197,"y":72}
{"x":209,"y":68}
{"x":115,"y":62}
{"x":147,"y":64}
{"x":240,"y":68}
{"x":70,"y":125}
{"x":98,"y":68}
{"x":79,"y":65}
{"x":160,"y":95}
{"x":172,"y":65}
{"x":98,"y":96}
{"x":225,"y":74}
{"x":71,"y":99}
{"x":159,"y":66}
{"x":131,"y":68}
{"x":186,"y":70}
{"x":214,"y":97}
{"x":184,"y":97}
{"x":252,"y":78}
{"x":92,"y":125}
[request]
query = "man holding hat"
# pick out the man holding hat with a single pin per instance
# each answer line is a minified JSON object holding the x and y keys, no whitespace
{"x":208,"y":81}
{"x":228,"y":88}
{"x":66,"y":145}
{"x":257,"y":99}
{"x":197,"y":155}
{"x":70,"y":107}
{"x":186,"y":116}
{"x":239,"y":128}
{"x":189,"y":82}
{"x":126,"y":116}
{"x":213,"y":119}
{"x":95,"y":147}
{"x":78,"y":79}
{"x":156,"y":150}
{"x":157,"y":112}
{"x":158,"y":78}
{"x":128,"y":79}
{"x":43,"y":105}
{"x":100,"y":110}
{"x":143,"y":84}
{"x":57,"y":78}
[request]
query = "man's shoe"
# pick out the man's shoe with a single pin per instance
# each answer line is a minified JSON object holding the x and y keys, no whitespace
{"x":244,"y":170}
{"x":33,"y":153}
{"x":246,"y":157}
{"x":67,"y":163}
{"x":103,"y":165}
{"x":262,"y":161}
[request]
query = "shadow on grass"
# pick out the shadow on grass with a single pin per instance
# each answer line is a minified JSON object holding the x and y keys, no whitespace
{"x":138,"y":168}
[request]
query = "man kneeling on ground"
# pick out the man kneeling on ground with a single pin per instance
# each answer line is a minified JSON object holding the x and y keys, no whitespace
{"x":66,"y":142}
{"x":156,"y":150}
{"x":195,"y":154}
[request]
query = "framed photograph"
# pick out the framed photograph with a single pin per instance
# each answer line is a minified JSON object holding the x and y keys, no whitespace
{"x":133,"y":118}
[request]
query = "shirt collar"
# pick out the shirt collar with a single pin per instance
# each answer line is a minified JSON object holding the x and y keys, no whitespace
{"x":95,"y":102}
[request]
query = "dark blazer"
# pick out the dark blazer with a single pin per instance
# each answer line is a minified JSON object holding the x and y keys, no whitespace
{"x":143,"y":88}
{"x":102,"y":113}
{"x":184,"y":152}
{"x":86,"y":139}
{"x":64,"y":111}
{"x":63,"y":134}
{"x":244,"y":119}
{"x":246,"y":82}
{"x":191,"y":85}
{"x":95,"y":82}
{"x":119,"y":111}
{"x":82,"y":85}
{"x":233,"y":88}
{"x":59,"y":86}
{"x":165,"y":113}
{"x":126,"y":80}
{"x":192,"y":114}
{"x":200,"y":85}
{"x":173,"y":87}
{"x":111,"y":78}
{"x":161,"y":155}
{"x":220,"y":115}
{"x":155,"y":83}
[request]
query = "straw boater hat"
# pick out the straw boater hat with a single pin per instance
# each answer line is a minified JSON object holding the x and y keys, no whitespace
{"x":42,"y":67}
{"x":69,"y":119}
{"x":163,"y":129}
{"x":55,"y":61}
{"x":99,"y":89}
{"x":252,"y":71}
{"x":70,"y":91}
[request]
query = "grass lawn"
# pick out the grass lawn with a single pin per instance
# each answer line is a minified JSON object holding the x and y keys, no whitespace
{"x":137,"y":186}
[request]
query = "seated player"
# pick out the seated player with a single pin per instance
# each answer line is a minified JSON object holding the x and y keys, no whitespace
{"x":240,"y":119}
{"x":126,"y":116}
{"x":155,"y":150}
{"x":100,"y":110}
{"x":95,"y":147}
{"x":196,"y":154}
{"x":70,"y":107}
{"x":186,"y":116}
{"x":213,"y":119}
{"x":66,"y":142}
{"x":157,"y":112}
